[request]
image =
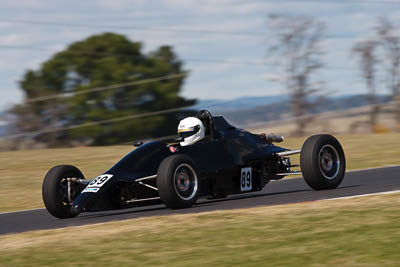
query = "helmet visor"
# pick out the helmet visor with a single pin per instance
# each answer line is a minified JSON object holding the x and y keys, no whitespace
{"x":188,"y":132}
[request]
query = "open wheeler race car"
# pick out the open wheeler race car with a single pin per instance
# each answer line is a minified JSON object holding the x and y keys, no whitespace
{"x":210,"y":158}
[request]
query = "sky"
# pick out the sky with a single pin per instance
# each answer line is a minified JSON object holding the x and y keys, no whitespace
{"x":203,"y":33}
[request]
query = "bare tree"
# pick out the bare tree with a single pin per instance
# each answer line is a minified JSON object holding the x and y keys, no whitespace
{"x":296,"y":41}
{"x":365,"y":51}
{"x":390,"y":41}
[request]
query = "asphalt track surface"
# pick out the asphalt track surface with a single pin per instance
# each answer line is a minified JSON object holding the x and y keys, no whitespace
{"x":275,"y":193}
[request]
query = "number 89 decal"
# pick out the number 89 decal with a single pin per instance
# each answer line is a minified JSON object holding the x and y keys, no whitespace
{"x":97,"y":183}
{"x":245,"y":179}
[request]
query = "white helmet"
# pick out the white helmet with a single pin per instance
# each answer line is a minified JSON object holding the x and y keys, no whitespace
{"x":192,"y":130}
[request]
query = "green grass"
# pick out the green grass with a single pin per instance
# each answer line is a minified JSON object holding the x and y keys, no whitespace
{"x":350,"y":232}
{"x":22,"y":172}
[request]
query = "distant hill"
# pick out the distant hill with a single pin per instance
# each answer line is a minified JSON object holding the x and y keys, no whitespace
{"x":219,"y":105}
{"x":3,"y":130}
{"x":250,"y":110}
{"x":3,"y":124}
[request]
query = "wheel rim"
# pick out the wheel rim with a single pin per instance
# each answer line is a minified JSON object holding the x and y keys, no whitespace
{"x":63,"y":192}
{"x":185,"y":181}
{"x":329,"y":161}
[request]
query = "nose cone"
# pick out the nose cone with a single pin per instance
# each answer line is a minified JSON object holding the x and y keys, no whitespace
{"x":75,"y":209}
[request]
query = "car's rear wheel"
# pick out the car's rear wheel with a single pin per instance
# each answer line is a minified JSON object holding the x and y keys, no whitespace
{"x":177,"y":182}
{"x":322,"y":162}
{"x":59,"y":192}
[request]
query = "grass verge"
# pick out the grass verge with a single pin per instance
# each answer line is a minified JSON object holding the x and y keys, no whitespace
{"x":22,"y":172}
{"x":350,"y":232}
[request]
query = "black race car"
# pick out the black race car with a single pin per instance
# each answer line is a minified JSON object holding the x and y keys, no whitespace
{"x":228,"y":160}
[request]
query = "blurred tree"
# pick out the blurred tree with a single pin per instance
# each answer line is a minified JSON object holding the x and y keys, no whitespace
{"x":365,"y":51}
{"x":102,"y":60}
{"x":390,"y":41}
{"x":296,"y":43}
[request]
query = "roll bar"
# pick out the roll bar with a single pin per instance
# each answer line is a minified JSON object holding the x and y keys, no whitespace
{"x":206,"y":117}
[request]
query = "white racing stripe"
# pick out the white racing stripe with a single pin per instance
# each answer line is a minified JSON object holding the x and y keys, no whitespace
{"x":365,"y":195}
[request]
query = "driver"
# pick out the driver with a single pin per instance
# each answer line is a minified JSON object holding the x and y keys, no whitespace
{"x":192,"y":130}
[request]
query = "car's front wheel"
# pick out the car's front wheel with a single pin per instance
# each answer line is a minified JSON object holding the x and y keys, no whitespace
{"x":59,"y":192}
{"x":322,"y":162}
{"x":178,"y":182}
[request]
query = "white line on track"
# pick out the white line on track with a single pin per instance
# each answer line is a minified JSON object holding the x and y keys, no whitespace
{"x":366,"y":195}
{"x":374,"y":168}
{"x":349,"y":171}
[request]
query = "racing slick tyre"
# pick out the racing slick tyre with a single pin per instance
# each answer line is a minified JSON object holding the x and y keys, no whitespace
{"x":322,"y":162}
{"x":177,"y":182}
{"x":56,"y":196}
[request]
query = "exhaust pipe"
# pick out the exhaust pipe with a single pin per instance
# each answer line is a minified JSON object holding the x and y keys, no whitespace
{"x":272,"y":138}
{"x":275,"y":138}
